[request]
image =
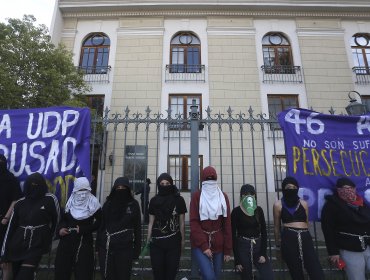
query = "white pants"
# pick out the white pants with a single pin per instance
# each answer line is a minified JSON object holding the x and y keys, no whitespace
{"x":357,"y":263}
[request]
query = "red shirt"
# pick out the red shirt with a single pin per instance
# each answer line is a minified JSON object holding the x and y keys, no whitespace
{"x":221,"y":240}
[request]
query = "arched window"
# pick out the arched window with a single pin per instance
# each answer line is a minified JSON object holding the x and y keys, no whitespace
{"x":360,"y":45}
{"x":185,"y":53}
{"x":277,"y":53}
{"x":95,"y":54}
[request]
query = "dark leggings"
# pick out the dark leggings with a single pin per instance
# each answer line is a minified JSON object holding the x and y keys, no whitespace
{"x":118,"y":266}
{"x":25,"y":269}
{"x":291,"y":254}
{"x":165,"y":257}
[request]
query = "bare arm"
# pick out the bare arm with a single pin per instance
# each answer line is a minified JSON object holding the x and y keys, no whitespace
{"x":277,"y":221}
{"x":6,"y":218}
{"x":150,"y":227}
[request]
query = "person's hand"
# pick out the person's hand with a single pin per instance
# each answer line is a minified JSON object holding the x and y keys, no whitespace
{"x":78,"y":229}
{"x":4,"y":221}
{"x":208,"y":253}
{"x":182,"y":244}
{"x":63,"y":232}
{"x":334,"y":259}
{"x":239,"y":268}
{"x":227,"y":258}
{"x":261,"y":259}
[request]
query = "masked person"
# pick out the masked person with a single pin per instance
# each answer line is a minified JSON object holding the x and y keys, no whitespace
{"x":250,"y":237}
{"x":31,"y":228}
{"x":119,"y":236}
{"x":297,"y":249}
{"x":345,"y":222}
{"x":166,"y":229}
{"x":82,"y":216}
{"x":10,"y":192}
{"x":210,"y":226}
{"x":144,"y":199}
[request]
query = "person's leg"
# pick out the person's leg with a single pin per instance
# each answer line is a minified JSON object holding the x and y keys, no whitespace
{"x":311,"y":260}
{"x":173,"y":255}
{"x":84,"y":267}
{"x":245,"y":259}
{"x":290,"y":254}
{"x":123,"y":264}
{"x":264,"y":269}
{"x":7,"y":272}
{"x":367,"y":258}
{"x":28,"y":268}
{"x":355,"y":264}
{"x":158,"y":261}
{"x":105,"y":265}
{"x":63,"y":262}
{"x":218,"y":260}
{"x":205,"y":264}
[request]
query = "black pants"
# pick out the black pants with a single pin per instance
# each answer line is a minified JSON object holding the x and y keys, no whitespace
{"x":264,"y":269}
{"x":25,"y":269}
{"x":165,"y":257}
{"x":118,"y":266}
{"x":67,"y":261}
{"x":291,"y":255}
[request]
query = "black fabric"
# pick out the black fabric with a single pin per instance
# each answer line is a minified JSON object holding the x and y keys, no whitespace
{"x":337,"y":216}
{"x":165,"y":257}
{"x":66,"y":260}
{"x":289,"y":180}
{"x":299,"y":215}
{"x":344,"y":181}
{"x":122,"y":181}
{"x":35,"y":186}
{"x":250,"y":227}
{"x":29,"y":212}
{"x":164,"y":176}
{"x":290,"y":254}
{"x":247,"y":189}
{"x":25,"y":272}
{"x":166,"y":210}
{"x":119,"y":264}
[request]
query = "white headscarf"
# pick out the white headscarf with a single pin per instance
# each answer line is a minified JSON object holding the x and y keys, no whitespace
{"x":82,"y":204}
{"x":212,"y":201}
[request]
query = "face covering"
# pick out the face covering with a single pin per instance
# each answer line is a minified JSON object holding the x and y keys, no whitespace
{"x":121,"y":195}
{"x":347,"y":194}
{"x":81,"y":196}
{"x":248,"y":204}
{"x":291,"y":197}
{"x":166,"y":190}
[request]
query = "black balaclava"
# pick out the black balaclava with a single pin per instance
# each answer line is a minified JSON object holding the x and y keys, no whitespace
{"x":3,"y":164}
{"x":165,"y":190}
{"x":121,"y":195}
{"x":290,"y":196}
{"x":35,"y":186}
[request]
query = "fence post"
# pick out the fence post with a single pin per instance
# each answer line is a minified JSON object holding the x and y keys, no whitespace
{"x":194,"y":163}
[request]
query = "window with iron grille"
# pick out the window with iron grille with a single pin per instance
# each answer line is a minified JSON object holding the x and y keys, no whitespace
{"x":360,"y":45}
{"x":179,"y":105}
{"x":180,"y":170}
{"x":95,"y":54}
{"x":185,"y":53}
{"x":277,"y":54}
{"x":278,"y":103}
{"x":279,"y":162}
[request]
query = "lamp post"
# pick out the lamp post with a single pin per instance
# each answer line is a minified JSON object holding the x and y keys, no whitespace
{"x":354,"y":107}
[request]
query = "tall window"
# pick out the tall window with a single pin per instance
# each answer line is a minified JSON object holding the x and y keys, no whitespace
{"x":185,"y":53}
{"x":180,"y":109}
{"x":95,"y":54}
{"x":360,"y":45}
{"x":277,"y":53}
{"x":180,"y":170}
{"x":279,"y":162}
{"x":278,"y":103}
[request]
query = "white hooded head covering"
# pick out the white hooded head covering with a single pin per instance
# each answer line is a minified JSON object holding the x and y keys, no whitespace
{"x":82,"y":204}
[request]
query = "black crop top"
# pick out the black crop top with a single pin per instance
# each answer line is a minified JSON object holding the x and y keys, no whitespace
{"x":298,"y":216}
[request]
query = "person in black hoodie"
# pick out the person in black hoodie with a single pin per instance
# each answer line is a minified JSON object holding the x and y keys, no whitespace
{"x":82,"y":216}
{"x":10,"y":192}
{"x":166,"y":229}
{"x":250,"y":237}
{"x":31,"y":228}
{"x":119,"y":236}
{"x":345,"y":222}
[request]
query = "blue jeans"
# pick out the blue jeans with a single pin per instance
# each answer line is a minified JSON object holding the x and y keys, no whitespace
{"x":210,"y":269}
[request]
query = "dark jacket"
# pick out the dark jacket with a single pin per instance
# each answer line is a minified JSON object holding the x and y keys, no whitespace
{"x":337,"y":218}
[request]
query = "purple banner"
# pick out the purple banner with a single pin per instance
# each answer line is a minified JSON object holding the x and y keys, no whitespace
{"x":321,"y":148}
{"x":53,"y":141}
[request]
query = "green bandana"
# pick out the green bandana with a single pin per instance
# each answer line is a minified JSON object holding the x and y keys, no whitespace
{"x":248,"y":204}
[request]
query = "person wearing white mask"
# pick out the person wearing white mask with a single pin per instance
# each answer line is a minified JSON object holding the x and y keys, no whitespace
{"x":210,"y":226}
{"x":81,"y":217}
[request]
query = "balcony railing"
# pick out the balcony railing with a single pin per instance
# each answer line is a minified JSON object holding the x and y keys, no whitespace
{"x":282,"y":74}
{"x":184,"y":73}
{"x":95,"y":74}
{"x":362,"y":75}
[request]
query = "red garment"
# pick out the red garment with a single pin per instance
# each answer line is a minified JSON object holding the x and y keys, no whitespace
{"x":221,"y":240}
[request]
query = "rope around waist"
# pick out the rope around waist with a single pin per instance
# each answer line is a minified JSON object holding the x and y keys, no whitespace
{"x":210,"y":233}
{"x":360,"y":237}
{"x":165,"y":236}
{"x":31,"y":229}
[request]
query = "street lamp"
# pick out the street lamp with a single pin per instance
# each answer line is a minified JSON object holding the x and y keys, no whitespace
{"x":355,"y":108}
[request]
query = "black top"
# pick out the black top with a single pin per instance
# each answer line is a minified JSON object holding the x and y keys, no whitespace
{"x":9,"y":191}
{"x":165,"y":225}
{"x":248,"y":226}
{"x":299,"y":214}
{"x":337,"y":216}
{"x":128,"y":223}
{"x":22,"y":243}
